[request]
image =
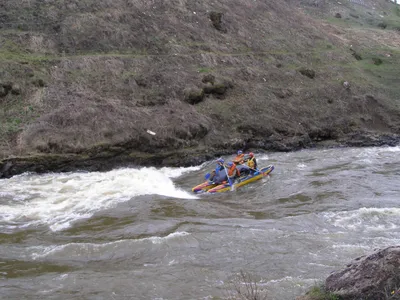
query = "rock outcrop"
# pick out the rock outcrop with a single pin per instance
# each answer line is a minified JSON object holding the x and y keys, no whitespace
{"x":373,"y":277}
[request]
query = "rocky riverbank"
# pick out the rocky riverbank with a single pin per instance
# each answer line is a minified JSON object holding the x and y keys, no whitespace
{"x":119,"y":156}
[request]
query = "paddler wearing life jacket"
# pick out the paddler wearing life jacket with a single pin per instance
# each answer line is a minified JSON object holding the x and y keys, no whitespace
{"x":239,"y":159}
{"x":251,"y":161}
{"x":219,"y":174}
{"x":233,"y":171}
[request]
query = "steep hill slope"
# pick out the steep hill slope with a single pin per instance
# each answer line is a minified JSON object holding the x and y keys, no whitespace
{"x":83,"y":81}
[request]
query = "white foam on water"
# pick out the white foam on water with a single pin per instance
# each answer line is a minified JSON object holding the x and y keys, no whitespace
{"x":366,"y":219}
{"x":289,"y":281}
{"x":371,"y":155}
{"x":391,"y":149}
{"x":59,"y":199}
{"x":62,"y":276}
{"x":286,"y":278}
{"x":93,"y":250}
{"x":177,"y":172}
{"x":261,"y":156}
{"x":351,"y":246}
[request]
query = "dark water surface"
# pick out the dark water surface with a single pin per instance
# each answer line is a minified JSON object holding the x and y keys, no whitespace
{"x":141,"y":233}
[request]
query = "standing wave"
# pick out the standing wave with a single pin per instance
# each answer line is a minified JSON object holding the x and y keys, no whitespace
{"x":58,"y":199}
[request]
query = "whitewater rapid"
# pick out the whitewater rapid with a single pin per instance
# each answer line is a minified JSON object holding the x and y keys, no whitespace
{"x":58,"y":199}
{"x":140,"y":233}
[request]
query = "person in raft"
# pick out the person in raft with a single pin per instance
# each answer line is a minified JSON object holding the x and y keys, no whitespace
{"x":252,"y":162}
{"x":233,"y":171}
{"x":239,"y":161}
{"x":218,"y":175}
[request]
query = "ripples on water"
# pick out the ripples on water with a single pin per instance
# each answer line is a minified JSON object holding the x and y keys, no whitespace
{"x":141,"y":233}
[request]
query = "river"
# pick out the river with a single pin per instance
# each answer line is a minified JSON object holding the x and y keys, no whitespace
{"x":141,"y":234}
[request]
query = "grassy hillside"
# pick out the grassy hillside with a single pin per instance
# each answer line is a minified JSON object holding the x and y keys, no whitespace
{"x":79,"y":76}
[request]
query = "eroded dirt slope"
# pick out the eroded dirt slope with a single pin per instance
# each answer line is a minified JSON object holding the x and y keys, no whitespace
{"x":84,"y":81}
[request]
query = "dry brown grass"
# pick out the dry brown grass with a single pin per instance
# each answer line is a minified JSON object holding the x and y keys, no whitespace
{"x":121,"y":68}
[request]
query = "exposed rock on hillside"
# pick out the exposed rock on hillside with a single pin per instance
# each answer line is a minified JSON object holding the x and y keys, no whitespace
{"x":194,"y":95}
{"x":307,"y":72}
{"x":216,"y":19}
{"x":215,"y":75}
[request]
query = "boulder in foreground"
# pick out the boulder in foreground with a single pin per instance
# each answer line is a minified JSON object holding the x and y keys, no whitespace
{"x":373,"y":277}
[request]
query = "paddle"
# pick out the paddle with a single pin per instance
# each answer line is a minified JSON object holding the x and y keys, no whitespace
{"x":207,"y":176}
{"x":255,"y":170}
{"x":229,"y":179}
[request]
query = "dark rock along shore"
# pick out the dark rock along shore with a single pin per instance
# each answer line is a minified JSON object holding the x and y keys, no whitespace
{"x":375,"y":276}
{"x":118,"y":157}
{"x":369,"y":277}
{"x":92,"y":85}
